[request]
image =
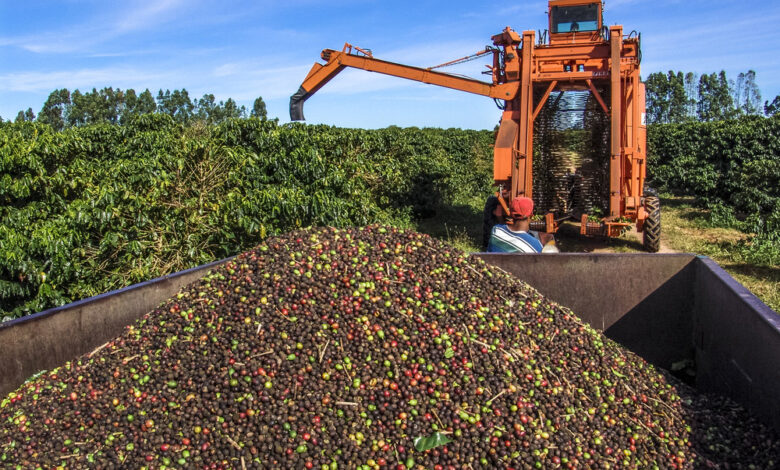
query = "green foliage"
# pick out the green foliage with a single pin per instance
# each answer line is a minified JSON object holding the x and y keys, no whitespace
{"x":258,"y":109}
{"x":53,"y":112}
{"x":25,"y":116}
{"x":715,"y":101}
{"x":675,"y":97}
{"x":97,"y":207}
{"x":770,"y":109}
{"x":63,"y":109}
{"x":667,"y":100}
{"x":731,"y":167}
{"x":437,"y":439}
{"x":747,"y":96}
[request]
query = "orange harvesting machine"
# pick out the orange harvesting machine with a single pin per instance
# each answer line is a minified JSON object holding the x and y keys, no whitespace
{"x":578,"y":77}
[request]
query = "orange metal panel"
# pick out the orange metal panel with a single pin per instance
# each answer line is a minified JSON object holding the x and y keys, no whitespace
{"x":616,"y":38}
{"x":573,"y":51}
{"x":641,"y":144}
{"x":598,"y":96}
{"x":319,"y":75}
{"x":570,"y":76}
{"x":544,"y":98}
{"x":503,"y":91}
{"x":503,"y":151}
{"x":522,"y":169}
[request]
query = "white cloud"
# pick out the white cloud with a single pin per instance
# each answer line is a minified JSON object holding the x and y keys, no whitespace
{"x":122,"y":77}
{"x":98,"y":29}
{"x":55,"y":43}
{"x":146,"y":14}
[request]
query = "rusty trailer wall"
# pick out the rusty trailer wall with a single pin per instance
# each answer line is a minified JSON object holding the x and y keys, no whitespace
{"x":48,"y":339}
{"x":668,"y":308}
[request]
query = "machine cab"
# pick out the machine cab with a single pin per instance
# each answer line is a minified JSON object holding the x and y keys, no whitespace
{"x":575,"y":21}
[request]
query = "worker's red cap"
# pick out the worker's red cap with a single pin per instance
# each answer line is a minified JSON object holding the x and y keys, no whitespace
{"x":521,"y":207}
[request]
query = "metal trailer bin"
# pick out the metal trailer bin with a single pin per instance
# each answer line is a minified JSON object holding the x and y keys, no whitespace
{"x":667,"y":308}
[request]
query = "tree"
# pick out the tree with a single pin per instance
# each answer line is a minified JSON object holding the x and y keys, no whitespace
{"x":76,"y":113}
{"x":54,"y":108}
{"x":751,"y":96}
{"x":229,"y":110}
{"x":678,"y":100}
{"x":666,"y":96}
{"x":25,"y":116}
{"x":109,"y":103}
{"x":656,"y":93}
{"x":258,"y":109}
{"x":205,"y":107}
{"x":770,"y":109}
{"x":145,"y":103}
{"x":130,"y":103}
{"x":106,"y":105}
{"x":723,"y":97}
{"x":176,"y":104}
{"x":692,"y":93}
{"x":208,"y":110}
{"x":715,"y":99}
{"x":135,"y":105}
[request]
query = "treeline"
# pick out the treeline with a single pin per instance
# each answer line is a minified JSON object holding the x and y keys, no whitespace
{"x":676,"y":97}
{"x":64,"y":109}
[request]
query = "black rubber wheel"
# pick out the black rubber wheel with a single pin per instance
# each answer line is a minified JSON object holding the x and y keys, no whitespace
{"x":652,"y":225}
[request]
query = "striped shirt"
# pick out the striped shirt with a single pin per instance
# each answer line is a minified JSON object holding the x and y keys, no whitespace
{"x":504,"y":240}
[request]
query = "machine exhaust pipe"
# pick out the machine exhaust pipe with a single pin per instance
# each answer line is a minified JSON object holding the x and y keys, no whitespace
{"x":296,"y":104}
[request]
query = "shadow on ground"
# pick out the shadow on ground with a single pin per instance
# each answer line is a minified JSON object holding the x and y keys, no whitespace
{"x":771,"y":273}
{"x":459,"y":224}
{"x":569,"y":240}
{"x":678,"y":202}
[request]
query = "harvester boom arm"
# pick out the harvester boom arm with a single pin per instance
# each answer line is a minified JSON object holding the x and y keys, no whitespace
{"x":336,"y":61}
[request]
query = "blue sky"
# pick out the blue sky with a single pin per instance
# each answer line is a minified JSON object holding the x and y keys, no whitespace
{"x":245,"y":49}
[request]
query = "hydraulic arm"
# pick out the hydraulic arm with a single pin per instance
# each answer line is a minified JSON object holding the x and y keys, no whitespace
{"x":336,"y":61}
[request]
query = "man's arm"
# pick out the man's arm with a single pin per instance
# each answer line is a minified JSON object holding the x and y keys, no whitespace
{"x":545,"y":237}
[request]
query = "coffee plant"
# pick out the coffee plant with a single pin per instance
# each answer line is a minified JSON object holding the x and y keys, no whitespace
{"x":98,"y":207}
{"x":731,"y":167}
{"x":95,"y":208}
{"x":734,"y":162}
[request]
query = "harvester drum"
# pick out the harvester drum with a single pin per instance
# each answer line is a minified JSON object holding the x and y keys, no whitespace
{"x":578,"y":75}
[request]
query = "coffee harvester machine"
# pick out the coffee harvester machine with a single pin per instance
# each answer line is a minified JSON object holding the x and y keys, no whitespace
{"x":579,"y":75}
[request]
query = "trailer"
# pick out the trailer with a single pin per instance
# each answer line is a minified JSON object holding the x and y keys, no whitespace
{"x":677,"y":311}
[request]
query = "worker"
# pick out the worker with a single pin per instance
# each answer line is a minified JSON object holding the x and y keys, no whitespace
{"x":517,"y":236}
{"x":492,"y":215}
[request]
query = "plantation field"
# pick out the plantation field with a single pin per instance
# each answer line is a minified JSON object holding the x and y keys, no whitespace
{"x":98,"y":207}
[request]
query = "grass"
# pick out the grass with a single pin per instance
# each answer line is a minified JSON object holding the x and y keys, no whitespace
{"x":685,"y":229}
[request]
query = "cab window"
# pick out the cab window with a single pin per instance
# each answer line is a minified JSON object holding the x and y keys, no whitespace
{"x":575,"y":18}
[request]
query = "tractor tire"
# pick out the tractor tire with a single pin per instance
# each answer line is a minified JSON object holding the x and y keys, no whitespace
{"x":652,"y":225}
